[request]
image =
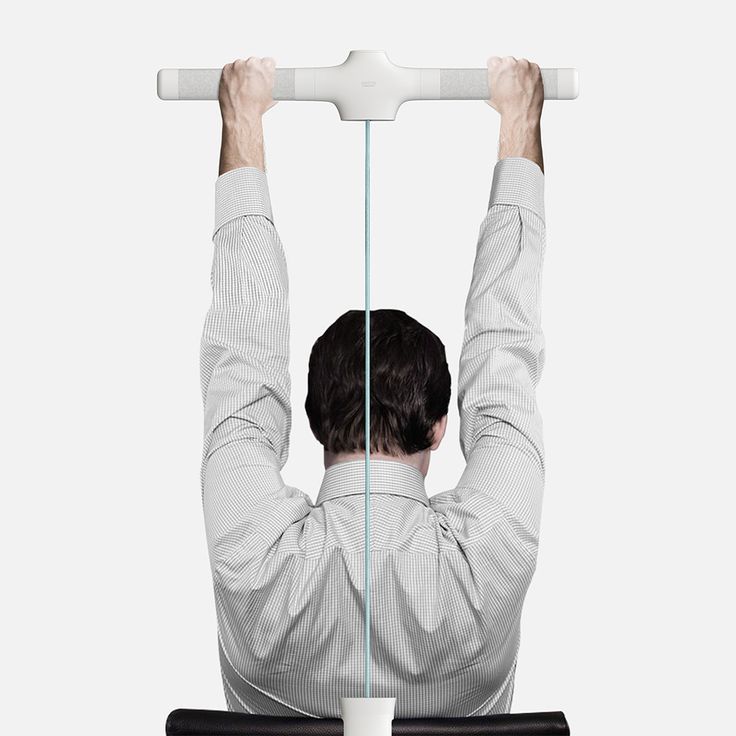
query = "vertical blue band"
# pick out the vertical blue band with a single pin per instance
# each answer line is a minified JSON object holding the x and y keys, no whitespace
{"x":367,"y":550}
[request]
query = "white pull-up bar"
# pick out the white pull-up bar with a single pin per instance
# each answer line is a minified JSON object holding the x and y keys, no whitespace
{"x":366,"y":86}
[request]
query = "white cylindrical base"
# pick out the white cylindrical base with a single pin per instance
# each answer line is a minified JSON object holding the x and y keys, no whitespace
{"x":367,"y":716}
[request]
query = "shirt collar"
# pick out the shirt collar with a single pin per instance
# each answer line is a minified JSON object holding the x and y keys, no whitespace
{"x":389,"y":477}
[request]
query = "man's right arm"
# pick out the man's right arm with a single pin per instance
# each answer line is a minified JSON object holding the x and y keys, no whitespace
{"x":499,"y":495}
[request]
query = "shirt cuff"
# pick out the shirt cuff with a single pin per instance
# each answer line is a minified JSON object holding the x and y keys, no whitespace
{"x":242,"y":191}
{"x":518,"y":181}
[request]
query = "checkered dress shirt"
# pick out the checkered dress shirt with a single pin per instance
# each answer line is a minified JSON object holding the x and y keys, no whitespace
{"x":449,"y":573}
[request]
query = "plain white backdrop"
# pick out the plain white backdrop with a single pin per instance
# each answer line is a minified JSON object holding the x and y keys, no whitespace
{"x":108,"y":198}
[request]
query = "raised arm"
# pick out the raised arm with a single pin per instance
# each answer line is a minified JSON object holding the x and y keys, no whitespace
{"x":503,"y":348}
{"x":245,"y":341}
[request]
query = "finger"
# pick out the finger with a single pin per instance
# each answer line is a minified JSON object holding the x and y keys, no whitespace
{"x":494,"y":60}
{"x":269,"y":62}
{"x":509,"y":58}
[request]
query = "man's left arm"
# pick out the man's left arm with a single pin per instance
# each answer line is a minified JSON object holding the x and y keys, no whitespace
{"x":245,"y":341}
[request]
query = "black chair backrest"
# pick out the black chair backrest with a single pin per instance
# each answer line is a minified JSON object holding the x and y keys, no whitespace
{"x":188,"y":722}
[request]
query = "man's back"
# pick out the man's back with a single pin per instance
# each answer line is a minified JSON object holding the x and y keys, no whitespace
{"x":449,"y":574}
{"x":444,"y":636}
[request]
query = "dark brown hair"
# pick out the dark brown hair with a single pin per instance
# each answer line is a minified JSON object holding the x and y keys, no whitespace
{"x":410,"y":383}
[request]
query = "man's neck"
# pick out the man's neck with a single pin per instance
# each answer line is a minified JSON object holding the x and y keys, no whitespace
{"x":418,"y":460}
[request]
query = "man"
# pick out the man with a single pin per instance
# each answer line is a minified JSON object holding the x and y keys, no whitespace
{"x":450,"y":573}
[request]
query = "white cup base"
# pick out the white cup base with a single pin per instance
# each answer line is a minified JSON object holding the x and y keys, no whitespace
{"x":367,"y":716}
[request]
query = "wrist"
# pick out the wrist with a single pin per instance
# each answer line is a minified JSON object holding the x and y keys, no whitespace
{"x":520,"y":136}
{"x":522,"y":122}
{"x":242,"y":124}
{"x":242,"y":144}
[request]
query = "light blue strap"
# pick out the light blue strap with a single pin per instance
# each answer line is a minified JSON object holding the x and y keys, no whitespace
{"x":367,"y":551}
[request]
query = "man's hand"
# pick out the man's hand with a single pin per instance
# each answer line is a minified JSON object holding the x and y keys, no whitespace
{"x":517,"y":93}
{"x":246,"y":93}
{"x":246,"y":88}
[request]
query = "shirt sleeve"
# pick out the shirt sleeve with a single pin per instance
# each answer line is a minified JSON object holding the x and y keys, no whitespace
{"x":499,"y":496}
{"x":245,"y":379}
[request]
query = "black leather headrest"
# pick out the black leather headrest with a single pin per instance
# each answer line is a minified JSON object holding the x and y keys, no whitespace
{"x":188,"y":722}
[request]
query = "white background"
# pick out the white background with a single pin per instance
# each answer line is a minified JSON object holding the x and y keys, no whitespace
{"x":108,"y":195}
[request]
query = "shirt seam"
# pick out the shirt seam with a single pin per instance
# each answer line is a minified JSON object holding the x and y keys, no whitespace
{"x":518,"y":205}
{"x":374,"y":548}
{"x":242,"y":215}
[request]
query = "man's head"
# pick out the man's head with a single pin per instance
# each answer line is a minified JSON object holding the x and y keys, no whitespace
{"x":410,"y":385}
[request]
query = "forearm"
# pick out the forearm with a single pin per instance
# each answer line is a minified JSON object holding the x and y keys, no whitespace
{"x":503,"y":348}
{"x":245,"y":342}
{"x":242,"y":143}
{"x":245,"y":380}
{"x":501,"y":362}
{"x":520,"y":135}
